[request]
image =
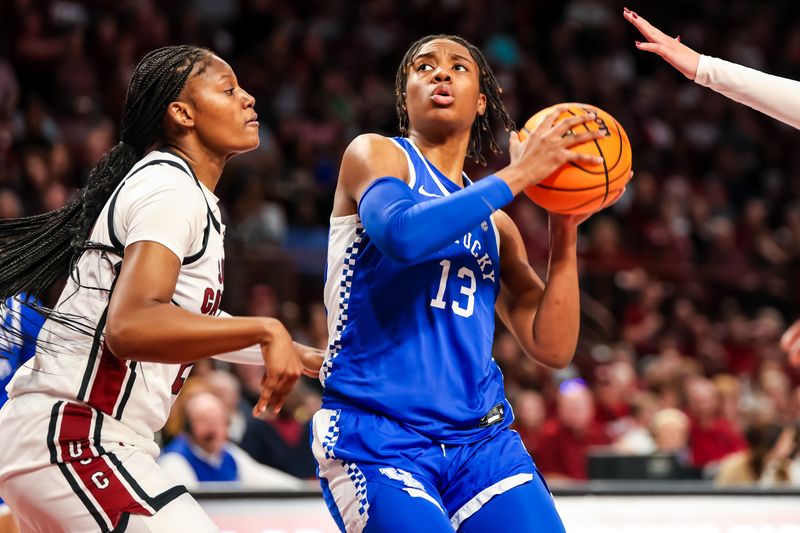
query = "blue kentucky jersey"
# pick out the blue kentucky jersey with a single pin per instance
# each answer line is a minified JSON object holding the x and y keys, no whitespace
{"x":413,"y":342}
{"x":21,"y":324}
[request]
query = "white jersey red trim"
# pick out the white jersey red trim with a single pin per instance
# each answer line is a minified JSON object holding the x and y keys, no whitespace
{"x":160,"y":200}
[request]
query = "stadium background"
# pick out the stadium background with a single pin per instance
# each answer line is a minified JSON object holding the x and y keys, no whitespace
{"x":687,"y":282}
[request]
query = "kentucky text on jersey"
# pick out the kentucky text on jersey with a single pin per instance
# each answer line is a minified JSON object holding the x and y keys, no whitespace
{"x":485,"y":264}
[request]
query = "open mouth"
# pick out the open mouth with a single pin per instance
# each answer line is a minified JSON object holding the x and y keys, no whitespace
{"x":442,"y":95}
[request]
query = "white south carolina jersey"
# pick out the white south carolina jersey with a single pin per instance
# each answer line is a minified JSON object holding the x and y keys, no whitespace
{"x":160,"y":200}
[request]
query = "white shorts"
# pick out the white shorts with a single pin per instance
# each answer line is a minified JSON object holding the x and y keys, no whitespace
{"x":69,"y":468}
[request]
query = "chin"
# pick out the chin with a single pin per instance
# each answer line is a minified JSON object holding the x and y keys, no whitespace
{"x":245,"y":146}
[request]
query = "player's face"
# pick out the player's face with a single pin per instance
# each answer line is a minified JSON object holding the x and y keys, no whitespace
{"x":224,"y":118}
{"x":443,"y":87}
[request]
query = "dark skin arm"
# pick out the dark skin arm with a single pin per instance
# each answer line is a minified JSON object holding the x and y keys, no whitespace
{"x":143,"y":325}
{"x":545,"y":319}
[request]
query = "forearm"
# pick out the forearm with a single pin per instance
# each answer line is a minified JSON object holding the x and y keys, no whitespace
{"x":252,"y":355}
{"x":775,"y":96}
{"x":557,"y":320}
{"x":407,"y":230}
{"x":165,"y":333}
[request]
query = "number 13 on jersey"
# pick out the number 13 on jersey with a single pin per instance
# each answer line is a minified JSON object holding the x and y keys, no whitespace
{"x":467,"y":287}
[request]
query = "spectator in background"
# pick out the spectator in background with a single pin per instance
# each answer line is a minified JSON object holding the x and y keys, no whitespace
{"x":565,"y":440}
{"x":711,"y":437}
{"x":670,"y":429}
{"x":770,"y":460}
{"x":529,"y":417}
{"x":637,"y":438}
{"x":613,"y":390}
{"x":283,"y":441}
{"x":202,"y":452}
{"x":227,"y":389}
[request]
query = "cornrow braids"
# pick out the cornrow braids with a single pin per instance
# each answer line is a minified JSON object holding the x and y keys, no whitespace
{"x":483,"y":126}
{"x":37,"y":251}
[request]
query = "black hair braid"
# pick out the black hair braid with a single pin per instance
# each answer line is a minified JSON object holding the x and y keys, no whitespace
{"x":37,"y":251}
{"x":483,"y":126}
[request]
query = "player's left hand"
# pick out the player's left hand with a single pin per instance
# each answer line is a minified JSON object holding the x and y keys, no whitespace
{"x":672,"y":50}
{"x":283,"y":367}
{"x":790,"y":342}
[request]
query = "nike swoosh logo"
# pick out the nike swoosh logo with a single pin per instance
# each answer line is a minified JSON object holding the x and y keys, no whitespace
{"x":423,"y":192}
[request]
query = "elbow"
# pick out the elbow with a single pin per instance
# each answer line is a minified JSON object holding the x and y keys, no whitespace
{"x":556,"y":359}
{"x":560,"y":362}
{"x":119,"y":339}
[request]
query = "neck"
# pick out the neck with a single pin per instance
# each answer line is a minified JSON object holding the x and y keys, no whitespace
{"x":206,"y":166}
{"x":446,"y":153}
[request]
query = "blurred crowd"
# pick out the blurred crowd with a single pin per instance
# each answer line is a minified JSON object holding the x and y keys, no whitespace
{"x":688,"y":281}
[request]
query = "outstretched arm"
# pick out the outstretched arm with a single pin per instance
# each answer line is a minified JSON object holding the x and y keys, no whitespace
{"x":310,"y":357}
{"x":772,"y":95}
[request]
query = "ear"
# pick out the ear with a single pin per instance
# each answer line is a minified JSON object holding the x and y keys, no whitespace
{"x":481,"y":104}
{"x":180,"y":114}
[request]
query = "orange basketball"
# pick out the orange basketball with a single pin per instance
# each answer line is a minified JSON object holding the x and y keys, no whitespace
{"x":577,"y":188}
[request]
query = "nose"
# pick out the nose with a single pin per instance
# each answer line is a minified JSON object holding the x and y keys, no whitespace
{"x":440,"y":75}
{"x":249,"y":99}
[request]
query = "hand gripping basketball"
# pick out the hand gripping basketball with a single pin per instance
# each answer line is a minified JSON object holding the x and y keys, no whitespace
{"x":596,"y":174}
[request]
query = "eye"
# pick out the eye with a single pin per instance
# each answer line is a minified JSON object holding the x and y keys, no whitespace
{"x":230,"y":91}
{"x":424,"y":66}
{"x":459,"y":67}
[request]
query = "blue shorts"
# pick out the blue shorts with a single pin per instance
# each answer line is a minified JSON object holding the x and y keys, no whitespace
{"x":375,"y":473}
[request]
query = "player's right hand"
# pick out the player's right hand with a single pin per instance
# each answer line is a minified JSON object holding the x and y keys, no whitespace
{"x":282,"y":365}
{"x":548,"y":147}
{"x":790,"y":342}
{"x":672,"y":50}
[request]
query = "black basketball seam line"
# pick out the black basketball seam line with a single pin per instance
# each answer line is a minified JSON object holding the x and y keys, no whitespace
{"x":619,"y":156}
{"x":562,"y":189}
{"x":588,"y":202}
{"x":600,"y":151}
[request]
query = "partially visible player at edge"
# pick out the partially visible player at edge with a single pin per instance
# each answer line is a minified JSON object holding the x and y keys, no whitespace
{"x":413,"y":434}
{"x":143,"y":246}
{"x":772,"y":95}
{"x":19,"y":326}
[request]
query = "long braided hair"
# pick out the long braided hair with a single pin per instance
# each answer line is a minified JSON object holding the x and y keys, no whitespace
{"x":483,"y":126}
{"x":39,"y":250}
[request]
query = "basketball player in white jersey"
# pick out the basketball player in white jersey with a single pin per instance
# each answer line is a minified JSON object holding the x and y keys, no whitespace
{"x":772,"y":95}
{"x":143,"y":245}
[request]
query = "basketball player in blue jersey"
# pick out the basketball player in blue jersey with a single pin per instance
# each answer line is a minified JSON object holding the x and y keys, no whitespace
{"x":20,"y":327}
{"x":414,"y":431}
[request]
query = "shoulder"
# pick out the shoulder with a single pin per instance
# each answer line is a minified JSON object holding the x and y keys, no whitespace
{"x":161,"y":173}
{"x":164,"y":186}
{"x":372,"y":149}
{"x":371,"y":143}
{"x":368,"y":157}
{"x":372,"y":156}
